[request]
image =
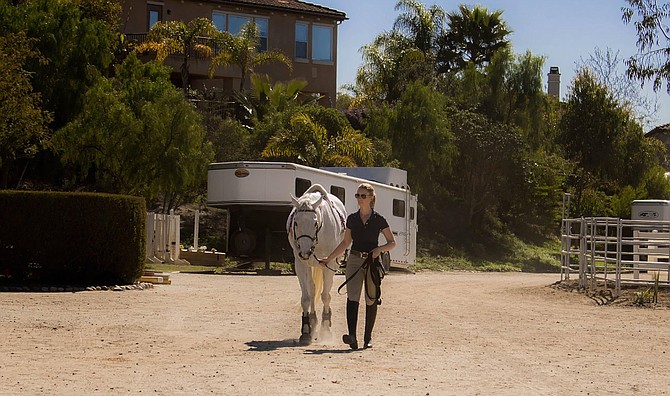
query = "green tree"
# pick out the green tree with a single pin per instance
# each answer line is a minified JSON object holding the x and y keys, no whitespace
{"x":652,"y":22}
{"x":75,"y":45}
{"x":605,"y":141}
{"x":511,"y":93}
{"x":23,"y":123}
{"x":182,"y":39}
{"x":605,"y":66}
{"x":601,"y":135}
{"x":139,"y":136}
{"x":473,"y":35}
{"x":488,"y":164}
{"x":419,"y":131}
{"x":307,"y":142}
{"x":242,"y":52}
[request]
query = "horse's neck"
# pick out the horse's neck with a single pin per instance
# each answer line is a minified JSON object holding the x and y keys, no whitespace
{"x":317,"y":188}
{"x":330,"y":229}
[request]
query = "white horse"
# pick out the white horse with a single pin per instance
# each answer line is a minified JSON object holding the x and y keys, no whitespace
{"x":315,"y":227}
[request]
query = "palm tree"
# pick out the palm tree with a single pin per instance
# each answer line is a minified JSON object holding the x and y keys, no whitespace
{"x":264,"y":97}
{"x":474,"y":35}
{"x":420,"y":24}
{"x":184,"y":39}
{"x":400,"y":56}
{"x":389,"y":63}
{"x":307,"y":142}
{"x":242,"y":52}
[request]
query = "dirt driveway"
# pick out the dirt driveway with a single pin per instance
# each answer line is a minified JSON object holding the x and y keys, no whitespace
{"x":437,"y":333}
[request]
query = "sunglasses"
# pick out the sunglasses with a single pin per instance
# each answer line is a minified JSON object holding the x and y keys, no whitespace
{"x":362,"y":196}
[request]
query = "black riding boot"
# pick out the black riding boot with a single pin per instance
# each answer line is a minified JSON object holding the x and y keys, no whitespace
{"x":352,"y":321}
{"x":370,"y":316}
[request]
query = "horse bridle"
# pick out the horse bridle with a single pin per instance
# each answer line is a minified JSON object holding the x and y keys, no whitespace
{"x":317,"y":226}
{"x":314,"y":239}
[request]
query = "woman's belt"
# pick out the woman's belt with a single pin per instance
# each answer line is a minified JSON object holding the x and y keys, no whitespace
{"x":356,"y":253}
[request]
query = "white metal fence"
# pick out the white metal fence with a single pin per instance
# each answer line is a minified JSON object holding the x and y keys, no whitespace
{"x":162,"y":239}
{"x":615,"y":252}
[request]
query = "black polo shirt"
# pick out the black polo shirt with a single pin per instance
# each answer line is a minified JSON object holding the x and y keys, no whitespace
{"x":365,"y":236}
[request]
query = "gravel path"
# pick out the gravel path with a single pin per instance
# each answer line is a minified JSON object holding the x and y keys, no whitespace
{"x":437,"y":333}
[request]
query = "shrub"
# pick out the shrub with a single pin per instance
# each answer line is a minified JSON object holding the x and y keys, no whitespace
{"x":71,"y":238}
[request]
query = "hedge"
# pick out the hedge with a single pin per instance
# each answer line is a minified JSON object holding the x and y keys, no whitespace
{"x":71,"y":238}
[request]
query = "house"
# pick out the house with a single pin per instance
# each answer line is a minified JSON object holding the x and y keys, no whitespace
{"x":306,"y":33}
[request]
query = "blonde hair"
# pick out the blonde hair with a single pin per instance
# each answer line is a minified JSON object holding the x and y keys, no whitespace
{"x":371,"y":191}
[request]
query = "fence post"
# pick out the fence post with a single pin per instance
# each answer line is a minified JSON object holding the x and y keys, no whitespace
{"x":619,"y":244}
{"x":582,"y":254}
{"x":196,"y":226}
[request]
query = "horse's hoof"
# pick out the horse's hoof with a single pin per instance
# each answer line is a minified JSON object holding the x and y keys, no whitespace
{"x":305,"y":339}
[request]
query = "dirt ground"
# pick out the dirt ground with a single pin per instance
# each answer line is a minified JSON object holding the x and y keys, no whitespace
{"x":437,"y":333}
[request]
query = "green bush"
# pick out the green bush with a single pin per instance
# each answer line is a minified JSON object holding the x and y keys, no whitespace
{"x":71,"y":238}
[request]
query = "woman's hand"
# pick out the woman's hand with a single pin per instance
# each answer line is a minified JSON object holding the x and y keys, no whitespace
{"x":324,"y":261}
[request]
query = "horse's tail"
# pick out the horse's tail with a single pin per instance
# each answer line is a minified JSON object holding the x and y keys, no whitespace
{"x":317,"y":275}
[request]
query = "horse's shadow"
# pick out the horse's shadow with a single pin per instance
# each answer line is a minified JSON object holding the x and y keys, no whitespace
{"x":265,"y":346}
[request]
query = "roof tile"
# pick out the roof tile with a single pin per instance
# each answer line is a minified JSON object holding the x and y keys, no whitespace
{"x":291,"y":5}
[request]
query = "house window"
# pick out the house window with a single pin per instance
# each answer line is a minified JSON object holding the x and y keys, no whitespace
{"x":338,"y":192}
{"x":219,"y":20}
{"x":234,"y":23}
{"x":322,"y":43}
{"x":398,"y":208}
{"x":301,"y":185}
{"x":154,"y":14}
{"x":301,"y":40}
{"x":262,"y":24}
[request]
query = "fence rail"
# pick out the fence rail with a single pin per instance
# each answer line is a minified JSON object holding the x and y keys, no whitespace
{"x":615,"y":252}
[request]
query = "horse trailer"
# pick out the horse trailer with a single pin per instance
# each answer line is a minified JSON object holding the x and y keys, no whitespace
{"x":257,"y":198}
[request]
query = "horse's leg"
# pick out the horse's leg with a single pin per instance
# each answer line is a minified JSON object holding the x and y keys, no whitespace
{"x":317,"y":286}
{"x":326,"y":316}
{"x":304,"y":273}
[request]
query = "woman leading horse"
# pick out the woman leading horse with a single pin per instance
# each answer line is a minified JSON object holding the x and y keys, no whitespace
{"x":362,"y":233}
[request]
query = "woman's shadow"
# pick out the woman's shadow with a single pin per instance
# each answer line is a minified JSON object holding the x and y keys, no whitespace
{"x":265,"y":346}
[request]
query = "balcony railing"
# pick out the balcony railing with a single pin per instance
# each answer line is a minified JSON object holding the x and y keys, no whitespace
{"x":139,"y":38}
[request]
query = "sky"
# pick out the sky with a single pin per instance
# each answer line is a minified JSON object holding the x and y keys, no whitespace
{"x":563,"y":32}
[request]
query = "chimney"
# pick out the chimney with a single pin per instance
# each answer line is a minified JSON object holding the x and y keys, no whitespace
{"x":554,"y":82}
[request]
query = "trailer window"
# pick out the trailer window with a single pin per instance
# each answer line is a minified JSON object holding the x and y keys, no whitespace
{"x":398,"y":208}
{"x":301,"y":185}
{"x":338,"y":192}
{"x":411,"y":213}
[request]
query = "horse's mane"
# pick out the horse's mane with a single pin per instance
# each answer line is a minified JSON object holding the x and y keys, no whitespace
{"x":307,"y":200}
{"x":317,"y":188}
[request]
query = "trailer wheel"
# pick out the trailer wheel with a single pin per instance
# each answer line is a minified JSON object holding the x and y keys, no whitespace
{"x":244,"y":242}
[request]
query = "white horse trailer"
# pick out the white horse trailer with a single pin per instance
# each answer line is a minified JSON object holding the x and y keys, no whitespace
{"x":257,"y":197}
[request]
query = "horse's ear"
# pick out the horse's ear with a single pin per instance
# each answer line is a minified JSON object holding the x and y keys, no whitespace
{"x":294,"y":200}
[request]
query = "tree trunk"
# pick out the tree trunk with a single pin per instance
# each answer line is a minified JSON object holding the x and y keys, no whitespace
{"x":4,"y":174}
{"x":184,"y":75}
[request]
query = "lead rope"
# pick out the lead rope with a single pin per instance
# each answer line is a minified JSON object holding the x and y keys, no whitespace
{"x":376,"y":279}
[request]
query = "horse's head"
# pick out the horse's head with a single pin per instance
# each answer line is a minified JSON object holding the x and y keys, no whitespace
{"x":306,"y":225}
